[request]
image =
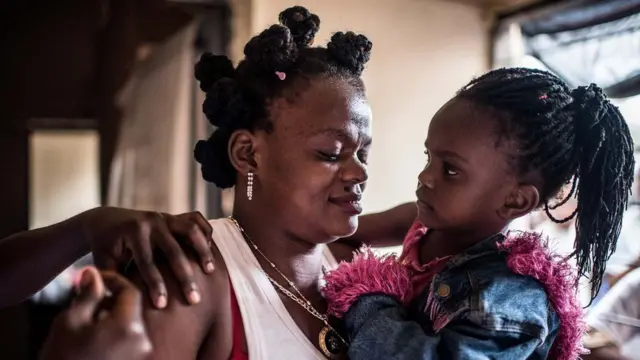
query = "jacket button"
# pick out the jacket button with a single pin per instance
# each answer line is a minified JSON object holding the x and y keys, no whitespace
{"x":443,"y":290}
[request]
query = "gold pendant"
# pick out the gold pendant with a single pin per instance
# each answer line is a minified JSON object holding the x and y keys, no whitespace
{"x":330,"y":343}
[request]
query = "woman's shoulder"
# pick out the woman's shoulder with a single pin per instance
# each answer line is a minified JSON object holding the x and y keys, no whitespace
{"x":180,"y":329}
{"x":210,"y":287}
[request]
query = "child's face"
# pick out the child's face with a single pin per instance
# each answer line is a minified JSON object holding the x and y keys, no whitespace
{"x":467,"y":184}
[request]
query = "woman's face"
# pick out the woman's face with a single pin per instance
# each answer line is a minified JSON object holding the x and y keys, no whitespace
{"x":311,"y":169}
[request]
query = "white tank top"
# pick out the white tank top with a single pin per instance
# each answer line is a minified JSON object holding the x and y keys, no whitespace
{"x":270,"y":331}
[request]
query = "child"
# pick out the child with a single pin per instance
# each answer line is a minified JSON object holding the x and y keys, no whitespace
{"x":502,"y":147}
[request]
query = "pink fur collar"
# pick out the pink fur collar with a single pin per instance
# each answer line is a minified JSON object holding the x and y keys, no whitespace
{"x":529,"y":256}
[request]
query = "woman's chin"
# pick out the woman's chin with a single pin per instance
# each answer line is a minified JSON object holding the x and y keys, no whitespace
{"x":344,"y":228}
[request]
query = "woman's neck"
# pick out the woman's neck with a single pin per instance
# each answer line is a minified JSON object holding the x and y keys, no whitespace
{"x":299,"y":261}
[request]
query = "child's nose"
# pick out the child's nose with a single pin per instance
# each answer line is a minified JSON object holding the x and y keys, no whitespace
{"x":426,"y":179}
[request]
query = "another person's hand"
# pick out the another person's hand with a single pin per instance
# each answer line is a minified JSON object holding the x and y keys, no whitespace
{"x":104,"y":322}
{"x":119,"y":236}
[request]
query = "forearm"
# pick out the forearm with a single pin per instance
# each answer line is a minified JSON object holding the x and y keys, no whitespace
{"x":31,"y":259}
{"x":383,"y":229}
{"x":379,"y":328}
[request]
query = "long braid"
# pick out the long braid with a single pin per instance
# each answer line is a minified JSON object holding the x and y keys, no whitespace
{"x":566,"y":136}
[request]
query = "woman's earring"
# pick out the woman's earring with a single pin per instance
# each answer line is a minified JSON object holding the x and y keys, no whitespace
{"x":250,"y":185}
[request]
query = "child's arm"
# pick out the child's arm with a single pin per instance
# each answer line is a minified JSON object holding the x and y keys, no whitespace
{"x":380,"y":328}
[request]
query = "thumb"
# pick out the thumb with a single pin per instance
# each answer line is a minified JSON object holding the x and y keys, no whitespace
{"x":127,"y":306}
{"x":105,"y":259}
{"x":91,"y":291}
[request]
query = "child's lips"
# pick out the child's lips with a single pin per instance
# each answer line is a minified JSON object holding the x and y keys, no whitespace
{"x":422,"y":201}
{"x":422,"y":204}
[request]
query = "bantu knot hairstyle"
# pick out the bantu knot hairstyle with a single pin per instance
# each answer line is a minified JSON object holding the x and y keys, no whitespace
{"x":239,"y":98}
{"x":566,"y":136}
{"x":303,"y":25}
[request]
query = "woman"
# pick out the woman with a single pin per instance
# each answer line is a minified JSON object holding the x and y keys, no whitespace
{"x":296,"y":119}
{"x":293,"y":133}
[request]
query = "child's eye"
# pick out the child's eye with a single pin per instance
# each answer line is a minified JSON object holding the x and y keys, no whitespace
{"x":449,"y":170}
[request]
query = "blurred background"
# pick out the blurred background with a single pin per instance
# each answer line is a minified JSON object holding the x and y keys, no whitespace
{"x":99,"y":105}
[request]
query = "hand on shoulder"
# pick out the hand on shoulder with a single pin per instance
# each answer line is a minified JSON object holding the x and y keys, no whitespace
{"x":120,"y":236}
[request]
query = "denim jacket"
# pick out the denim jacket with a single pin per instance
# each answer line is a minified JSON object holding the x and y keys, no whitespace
{"x":477,"y":307}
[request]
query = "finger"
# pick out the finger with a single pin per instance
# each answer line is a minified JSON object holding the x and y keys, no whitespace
{"x":143,"y":256}
{"x":91,"y":291}
{"x":198,"y":233}
{"x":105,"y":262}
{"x":203,"y":223}
{"x":178,"y":262}
{"x":127,"y":300}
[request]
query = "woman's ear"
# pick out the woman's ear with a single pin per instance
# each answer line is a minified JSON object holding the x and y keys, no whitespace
{"x":242,"y":147}
{"x":521,"y":201}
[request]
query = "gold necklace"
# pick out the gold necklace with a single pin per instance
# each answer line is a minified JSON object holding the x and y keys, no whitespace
{"x":329,"y":340}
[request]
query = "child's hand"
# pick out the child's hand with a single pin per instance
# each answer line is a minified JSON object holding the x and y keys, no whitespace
{"x":104,"y":322}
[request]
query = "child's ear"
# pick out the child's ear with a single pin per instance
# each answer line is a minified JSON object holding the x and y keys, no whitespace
{"x":521,"y":201}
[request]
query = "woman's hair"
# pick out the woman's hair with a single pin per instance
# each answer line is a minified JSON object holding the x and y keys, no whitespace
{"x":278,"y":63}
{"x":563,"y":136}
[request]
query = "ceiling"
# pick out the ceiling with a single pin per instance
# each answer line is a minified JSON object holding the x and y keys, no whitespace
{"x":499,"y":5}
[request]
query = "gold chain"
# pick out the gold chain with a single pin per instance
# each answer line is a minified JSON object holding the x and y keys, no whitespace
{"x":302,"y":300}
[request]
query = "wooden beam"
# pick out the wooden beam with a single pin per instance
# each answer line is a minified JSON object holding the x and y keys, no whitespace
{"x":497,"y":5}
{"x":37,"y":124}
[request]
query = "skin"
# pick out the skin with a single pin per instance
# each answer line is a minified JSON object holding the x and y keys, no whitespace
{"x":467,"y":191}
{"x":115,"y":236}
{"x":315,"y":155}
{"x":124,"y":235}
{"x":116,"y":333}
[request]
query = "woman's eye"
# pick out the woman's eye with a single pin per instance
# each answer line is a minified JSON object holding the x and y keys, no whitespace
{"x":426,"y":152}
{"x":363,"y":157}
{"x":330,"y":157}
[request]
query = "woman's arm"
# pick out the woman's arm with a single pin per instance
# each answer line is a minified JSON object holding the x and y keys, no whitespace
{"x":383,"y":229}
{"x":31,"y":259}
{"x":113,"y":235}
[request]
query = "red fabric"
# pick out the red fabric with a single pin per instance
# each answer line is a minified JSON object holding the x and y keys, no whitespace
{"x":237,"y":351}
{"x":421,"y":275}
